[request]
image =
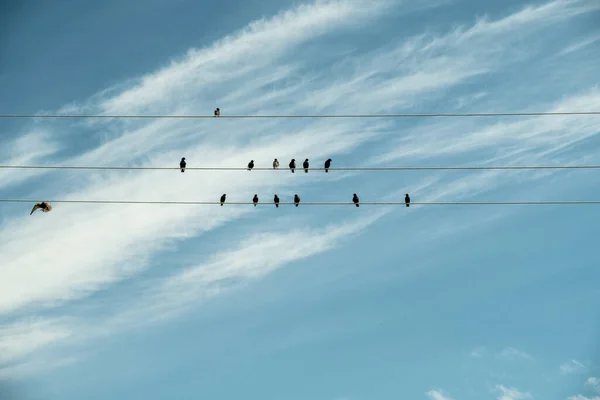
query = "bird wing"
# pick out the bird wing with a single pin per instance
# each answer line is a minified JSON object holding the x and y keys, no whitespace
{"x":34,"y":208}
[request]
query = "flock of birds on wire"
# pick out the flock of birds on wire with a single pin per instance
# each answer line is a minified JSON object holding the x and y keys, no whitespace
{"x":46,"y":207}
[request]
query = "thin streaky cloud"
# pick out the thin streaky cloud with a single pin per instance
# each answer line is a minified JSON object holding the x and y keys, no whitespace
{"x":438,"y":395}
{"x":572,"y":367}
{"x":511,"y":393}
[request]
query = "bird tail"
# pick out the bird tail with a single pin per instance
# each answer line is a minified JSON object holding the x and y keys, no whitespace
{"x":276,"y":205}
{"x":221,"y":204}
{"x":356,"y":204}
{"x":408,"y":205}
{"x":306,"y":170}
{"x":326,"y":170}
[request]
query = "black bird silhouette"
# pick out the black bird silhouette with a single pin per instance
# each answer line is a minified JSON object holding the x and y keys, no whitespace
{"x":223,"y":199}
{"x":276,"y":201}
{"x":327,"y":164}
{"x":250,"y":165}
{"x":255,"y":200}
{"x":182,"y":164}
{"x":45,"y":207}
{"x":217,"y":112}
{"x":296,"y":200}
{"x":305,"y":165}
{"x":355,"y":199}
{"x":293,"y":165}
{"x":407,"y":200}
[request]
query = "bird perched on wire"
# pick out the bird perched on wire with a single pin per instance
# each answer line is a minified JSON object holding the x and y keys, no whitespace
{"x":44,"y":206}
{"x":296,"y":200}
{"x":275,"y":164}
{"x":255,"y":200}
{"x":292,"y":165}
{"x":217,"y":112}
{"x":305,"y":165}
{"x":182,"y":164}
{"x":276,"y":201}
{"x":355,"y":199}
{"x":407,"y":200}
{"x":327,"y":164}
{"x":223,"y":199}
{"x":250,"y":165}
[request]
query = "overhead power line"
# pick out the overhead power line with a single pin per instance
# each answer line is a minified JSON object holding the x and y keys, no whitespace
{"x":421,"y":115}
{"x":75,"y":167}
{"x":308,"y":203}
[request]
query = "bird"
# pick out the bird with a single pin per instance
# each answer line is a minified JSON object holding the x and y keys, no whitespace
{"x":223,"y":199}
{"x":305,"y":165}
{"x":276,"y":201}
{"x":407,"y":200}
{"x":355,"y":199}
{"x":217,"y":112}
{"x":250,"y":165}
{"x":255,"y":200}
{"x":182,"y":164}
{"x":296,"y":200}
{"x":275,"y":164}
{"x":292,"y":165}
{"x":45,"y":207}
{"x":327,"y":164}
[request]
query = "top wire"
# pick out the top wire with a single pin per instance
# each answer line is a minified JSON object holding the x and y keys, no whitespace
{"x":515,"y":114}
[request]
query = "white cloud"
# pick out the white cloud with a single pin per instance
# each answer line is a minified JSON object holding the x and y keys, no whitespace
{"x":252,"y":259}
{"x":510,"y":393}
{"x":572,"y":367}
{"x":21,"y":339}
{"x":537,"y":137}
{"x":30,"y":148}
{"x":478,"y":352}
{"x":582,"y":397}
{"x":594,"y":383}
{"x":512,"y":353}
{"x":579,"y":45}
{"x":437,"y":395}
{"x":26,"y":368}
{"x":264,"y":40}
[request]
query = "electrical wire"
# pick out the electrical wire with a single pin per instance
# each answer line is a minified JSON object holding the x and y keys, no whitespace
{"x":445,"y":203}
{"x":518,"y":167}
{"x":523,"y":114}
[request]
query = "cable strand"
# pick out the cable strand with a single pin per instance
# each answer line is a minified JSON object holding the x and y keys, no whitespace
{"x":463,"y":203}
{"x":517,"y":167}
{"x":413,"y":115}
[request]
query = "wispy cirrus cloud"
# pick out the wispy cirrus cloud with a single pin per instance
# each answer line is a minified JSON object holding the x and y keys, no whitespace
{"x":437,"y":395}
{"x":511,"y":393}
{"x":253,"y":258}
{"x":511,"y":353}
{"x":34,"y":147}
{"x":579,"y":45}
{"x":20,"y":339}
{"x":572,"y":367}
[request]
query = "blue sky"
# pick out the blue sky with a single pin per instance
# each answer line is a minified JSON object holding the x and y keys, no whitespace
{"x":182,"y":302}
